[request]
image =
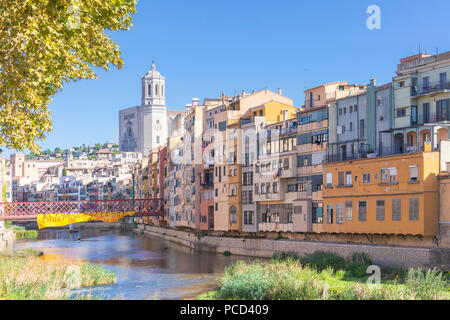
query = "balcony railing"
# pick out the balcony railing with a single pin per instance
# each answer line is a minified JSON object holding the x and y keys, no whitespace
{"x":430,"y":88}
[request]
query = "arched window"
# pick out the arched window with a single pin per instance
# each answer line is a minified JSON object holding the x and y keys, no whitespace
{"x":233,"y":214}
{"x":149,"y":89}
{"x":156,"y":90}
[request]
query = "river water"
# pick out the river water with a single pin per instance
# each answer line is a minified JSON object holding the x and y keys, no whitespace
{"x":146,"y":267}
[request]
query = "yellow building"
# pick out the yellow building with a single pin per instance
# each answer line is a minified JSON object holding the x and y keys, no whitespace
{"x":396,"y":194}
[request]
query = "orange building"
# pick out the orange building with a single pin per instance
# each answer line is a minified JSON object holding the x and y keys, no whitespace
{"x":396,"y":194}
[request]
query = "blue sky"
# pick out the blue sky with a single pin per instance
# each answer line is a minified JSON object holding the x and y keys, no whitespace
{"x":204,"y":47}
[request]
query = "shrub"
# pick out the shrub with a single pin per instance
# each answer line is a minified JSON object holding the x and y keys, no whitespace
{"x":282,"y":256}
{"x":356,"y":270}
{"x":322,"y":260}
{"x":425,"y":284}
{"x":361,"y":258}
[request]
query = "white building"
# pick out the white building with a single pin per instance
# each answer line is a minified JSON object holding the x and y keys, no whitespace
{"x":145,"y":127}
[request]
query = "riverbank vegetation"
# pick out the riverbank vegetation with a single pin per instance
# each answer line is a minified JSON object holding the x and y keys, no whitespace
{"x":21,"y":232}
{"x":329,"y":277}
{"x":24,"y":275}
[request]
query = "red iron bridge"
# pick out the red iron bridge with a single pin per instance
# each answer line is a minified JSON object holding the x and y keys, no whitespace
{"x":30,"y":210}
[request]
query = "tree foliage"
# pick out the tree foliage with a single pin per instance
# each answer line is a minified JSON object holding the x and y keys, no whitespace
{"x":44,"y":43}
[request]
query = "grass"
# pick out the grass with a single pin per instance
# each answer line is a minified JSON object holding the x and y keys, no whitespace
{"x":326,"y":276}
{"x":24,"y":276}
{"x":20,"y":232}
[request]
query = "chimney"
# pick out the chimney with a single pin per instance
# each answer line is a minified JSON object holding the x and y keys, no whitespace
{"x":279,"y":91}
{"x":373,"y":82}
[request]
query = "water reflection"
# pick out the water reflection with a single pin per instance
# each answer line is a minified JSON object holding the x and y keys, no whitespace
{"x":146,"y":268}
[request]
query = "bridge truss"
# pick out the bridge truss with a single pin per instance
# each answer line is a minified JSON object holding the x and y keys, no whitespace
{"x":30,"y":210}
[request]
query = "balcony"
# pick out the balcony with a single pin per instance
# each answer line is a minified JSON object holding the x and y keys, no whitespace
{"x":430,"y":89}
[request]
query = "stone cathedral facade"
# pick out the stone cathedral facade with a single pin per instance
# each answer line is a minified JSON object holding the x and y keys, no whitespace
{"x":145,"y":127}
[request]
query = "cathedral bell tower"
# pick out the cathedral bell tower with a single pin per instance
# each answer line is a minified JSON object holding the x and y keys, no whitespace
{"x":153,"y":88}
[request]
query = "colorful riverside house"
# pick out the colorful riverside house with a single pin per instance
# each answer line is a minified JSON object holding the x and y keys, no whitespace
{"x":356,"y":121}
{"x":312,"y":144}
{"x":389,"y":195}
{"x":421,"y":105}
{"x":275,"y":170}
{"x":228,"y":152}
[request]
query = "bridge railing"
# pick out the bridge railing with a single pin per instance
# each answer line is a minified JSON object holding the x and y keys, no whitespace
{"x":31,"y":209}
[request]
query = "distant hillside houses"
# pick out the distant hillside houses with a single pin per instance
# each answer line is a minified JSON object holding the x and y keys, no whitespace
{"x":102,"y":175}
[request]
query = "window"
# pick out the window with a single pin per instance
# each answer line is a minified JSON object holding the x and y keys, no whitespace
{"x":384,"y":175}
{"x":317,"y":215}
{"x":361,"y":129}
{"x":400,"y":84}
{"x":362,"y":211}
{"x":355,"y":108}
{"x":329,"y":180}
{"x":414,"y":209}
{"x":388,"y":175}
{"x":443,"y":110}
{"x":425,"y":82}
{"x":275,"y":187}
{"x":348,"y":211}
{"x":443,"y":79}
{"x":340,"y":179}
{"x":248,"y":217}
{"x":380,"y":210}
{"x":329,"y":214}
{"x":263,"y":188}
{"x":401,"y":112}
{"x":256,"y":188}
{"x":157,"y":139}
{"x":351,"y":109}
{"x":426,"y":112}
{"x":413,"y":115}
{"x":366,"y":177}
{"x":222,"y":126}
{"x":393,"y":175}
{"x":233,"y":215}
{"x":413,"y":174}
{"x":348,"y":179}
{"x":396,"y":209}
{"x":351,"y":126}
{"x":339,"y":214}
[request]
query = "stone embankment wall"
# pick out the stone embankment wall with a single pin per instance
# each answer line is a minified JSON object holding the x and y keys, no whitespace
{"x":395,"y":256}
